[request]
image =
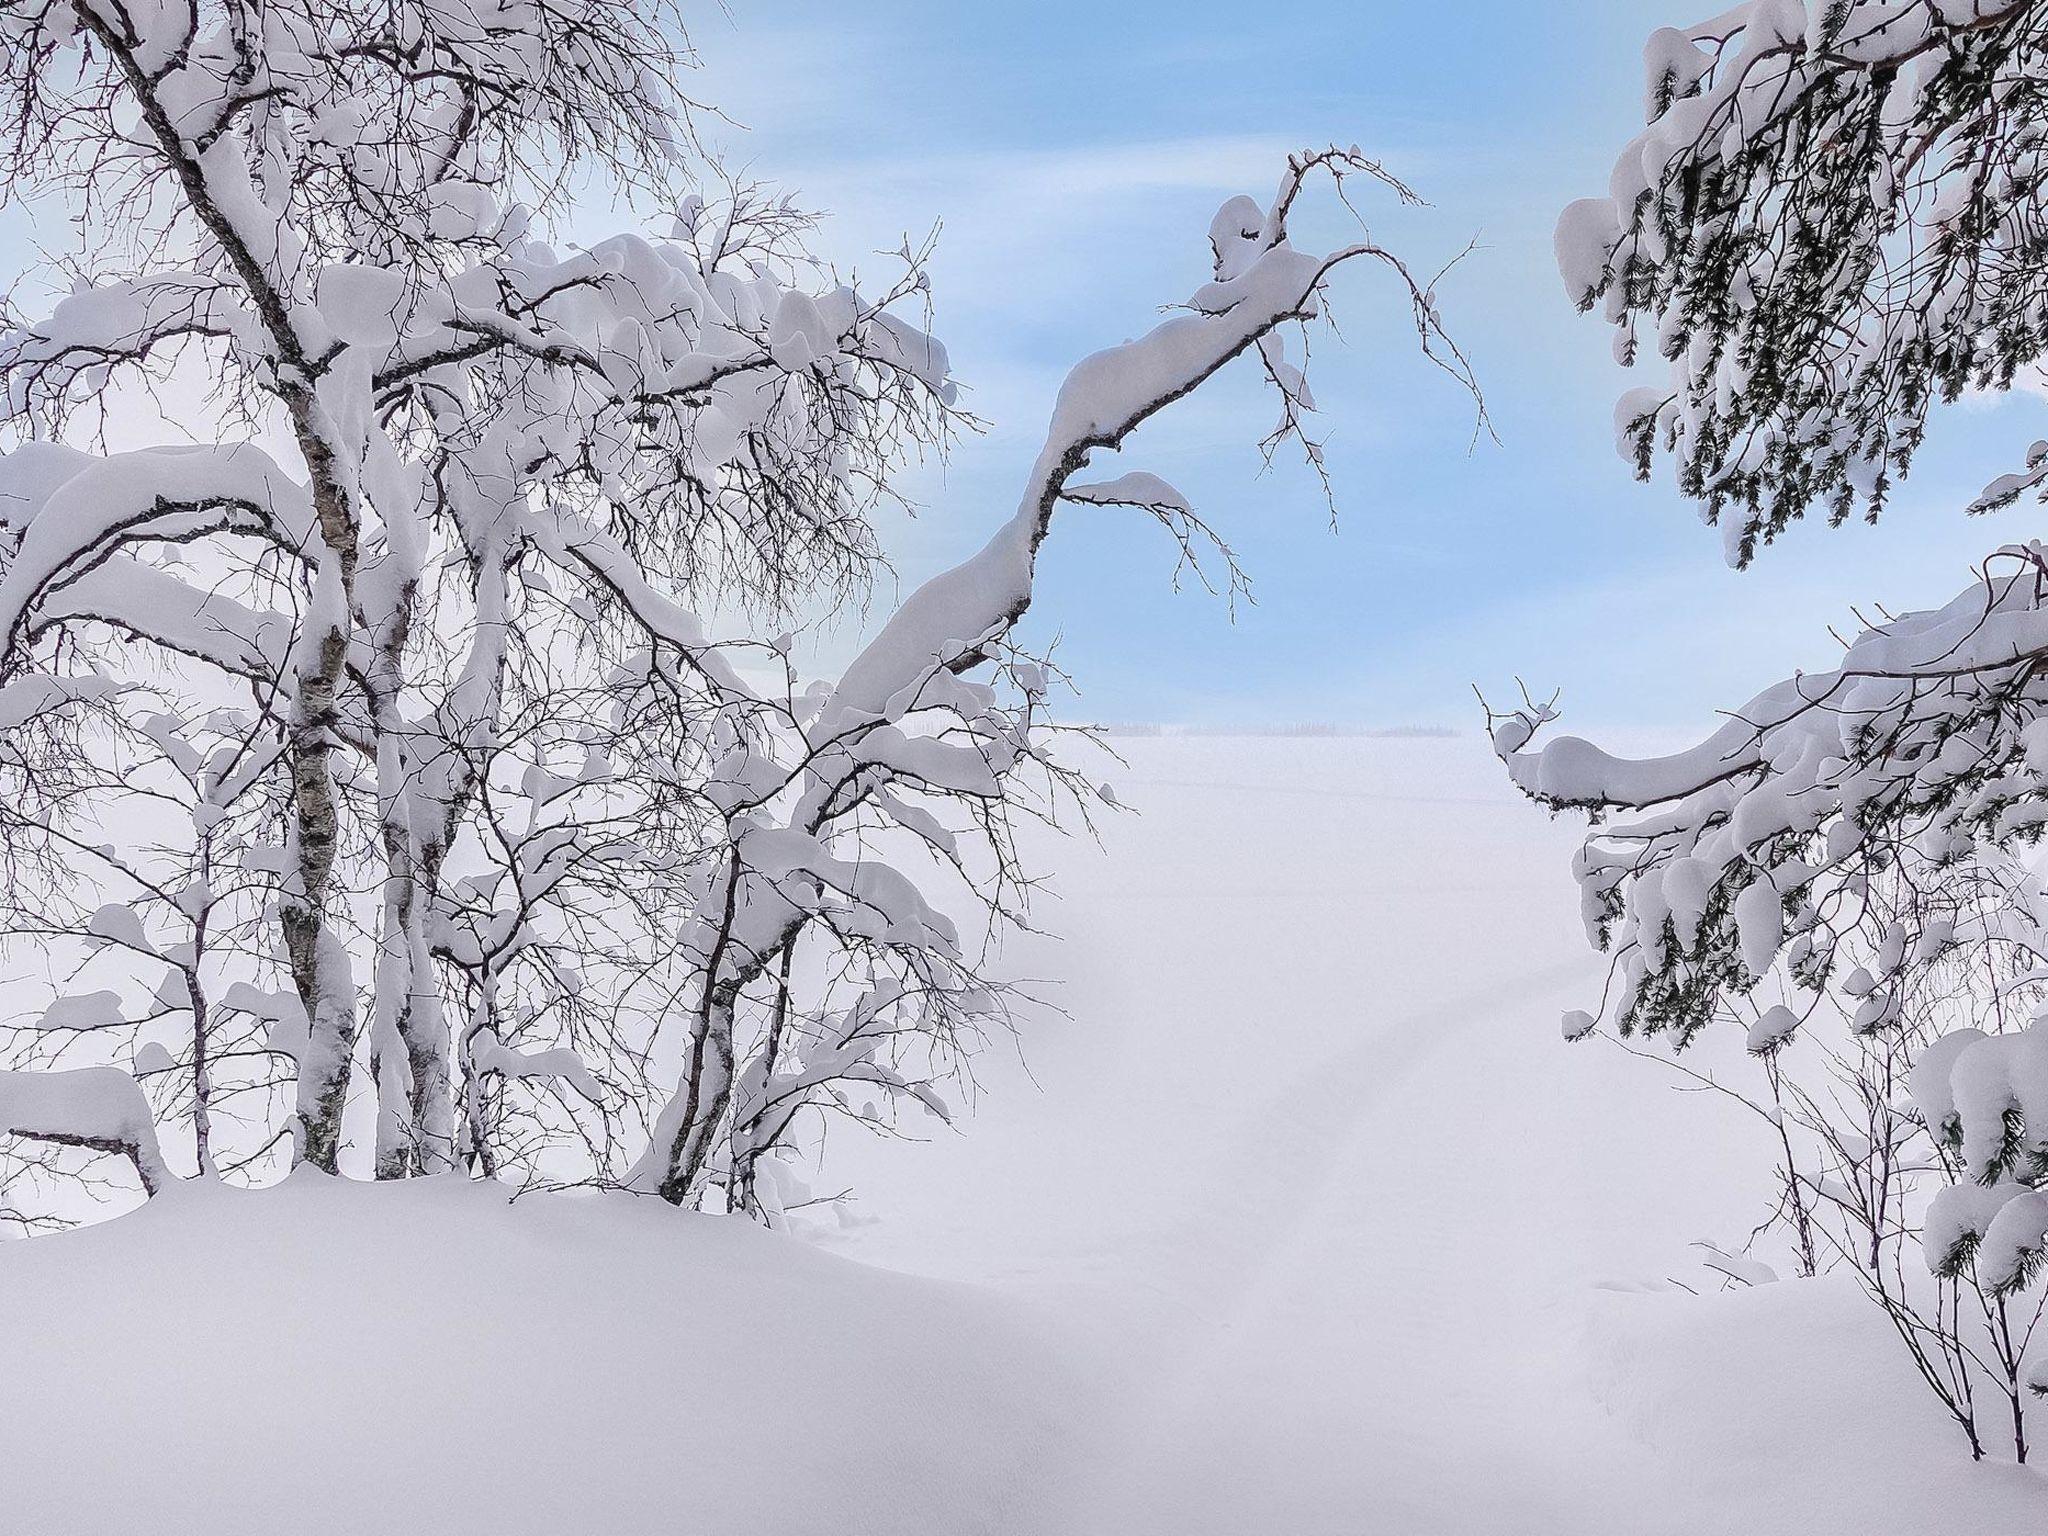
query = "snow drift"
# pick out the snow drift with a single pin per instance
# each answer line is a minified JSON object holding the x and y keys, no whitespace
{"x":336,"y":1357}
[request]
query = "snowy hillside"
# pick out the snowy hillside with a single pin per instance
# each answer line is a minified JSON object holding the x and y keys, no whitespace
{"x":1309,"y":1223}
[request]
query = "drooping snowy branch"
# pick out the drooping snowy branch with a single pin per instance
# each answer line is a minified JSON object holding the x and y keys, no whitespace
{"x":904,"y":722}
{"x":1923,"y":745}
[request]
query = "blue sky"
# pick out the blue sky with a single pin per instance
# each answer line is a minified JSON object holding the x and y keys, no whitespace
{"x":1074,"y":154}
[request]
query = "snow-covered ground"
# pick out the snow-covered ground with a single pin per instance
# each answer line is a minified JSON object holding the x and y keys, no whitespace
{"x":1302,"y":1220}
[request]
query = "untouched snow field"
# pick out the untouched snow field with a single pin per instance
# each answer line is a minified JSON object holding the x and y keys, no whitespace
{"x":1303,"y":1221}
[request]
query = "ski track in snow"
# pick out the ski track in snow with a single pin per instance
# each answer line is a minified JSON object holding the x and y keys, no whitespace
{"x":1336,"y":1219}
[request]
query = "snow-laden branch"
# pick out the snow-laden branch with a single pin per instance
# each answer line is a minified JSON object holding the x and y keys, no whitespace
{"x":904,"y":711}
{"x":70,"y":511}
{"x":1930,"y":739}
{"x":1261,"y":282}
{"x":1830,"y":222}
{"x":489,"y":1054}
{"x":101,"y":1109}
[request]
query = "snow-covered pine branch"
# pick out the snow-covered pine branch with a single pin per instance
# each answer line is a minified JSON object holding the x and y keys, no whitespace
{"x":1832,"y":220}
{"x":1924,"y":745}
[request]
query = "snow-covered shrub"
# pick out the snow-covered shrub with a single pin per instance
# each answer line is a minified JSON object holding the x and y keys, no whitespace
{"x":367,"y":745}
{"x":1872,"y":1176}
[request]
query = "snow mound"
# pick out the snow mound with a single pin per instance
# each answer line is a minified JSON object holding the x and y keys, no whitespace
{"x":1786,"y":1410}
{"x":328,"y":1356}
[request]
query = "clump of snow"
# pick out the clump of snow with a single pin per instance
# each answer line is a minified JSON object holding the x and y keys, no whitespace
{"x":1775,"y":1026}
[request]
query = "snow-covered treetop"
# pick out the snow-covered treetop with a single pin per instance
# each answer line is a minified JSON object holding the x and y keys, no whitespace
{"x":1833,"y":218}
{"x":346,"y":183}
